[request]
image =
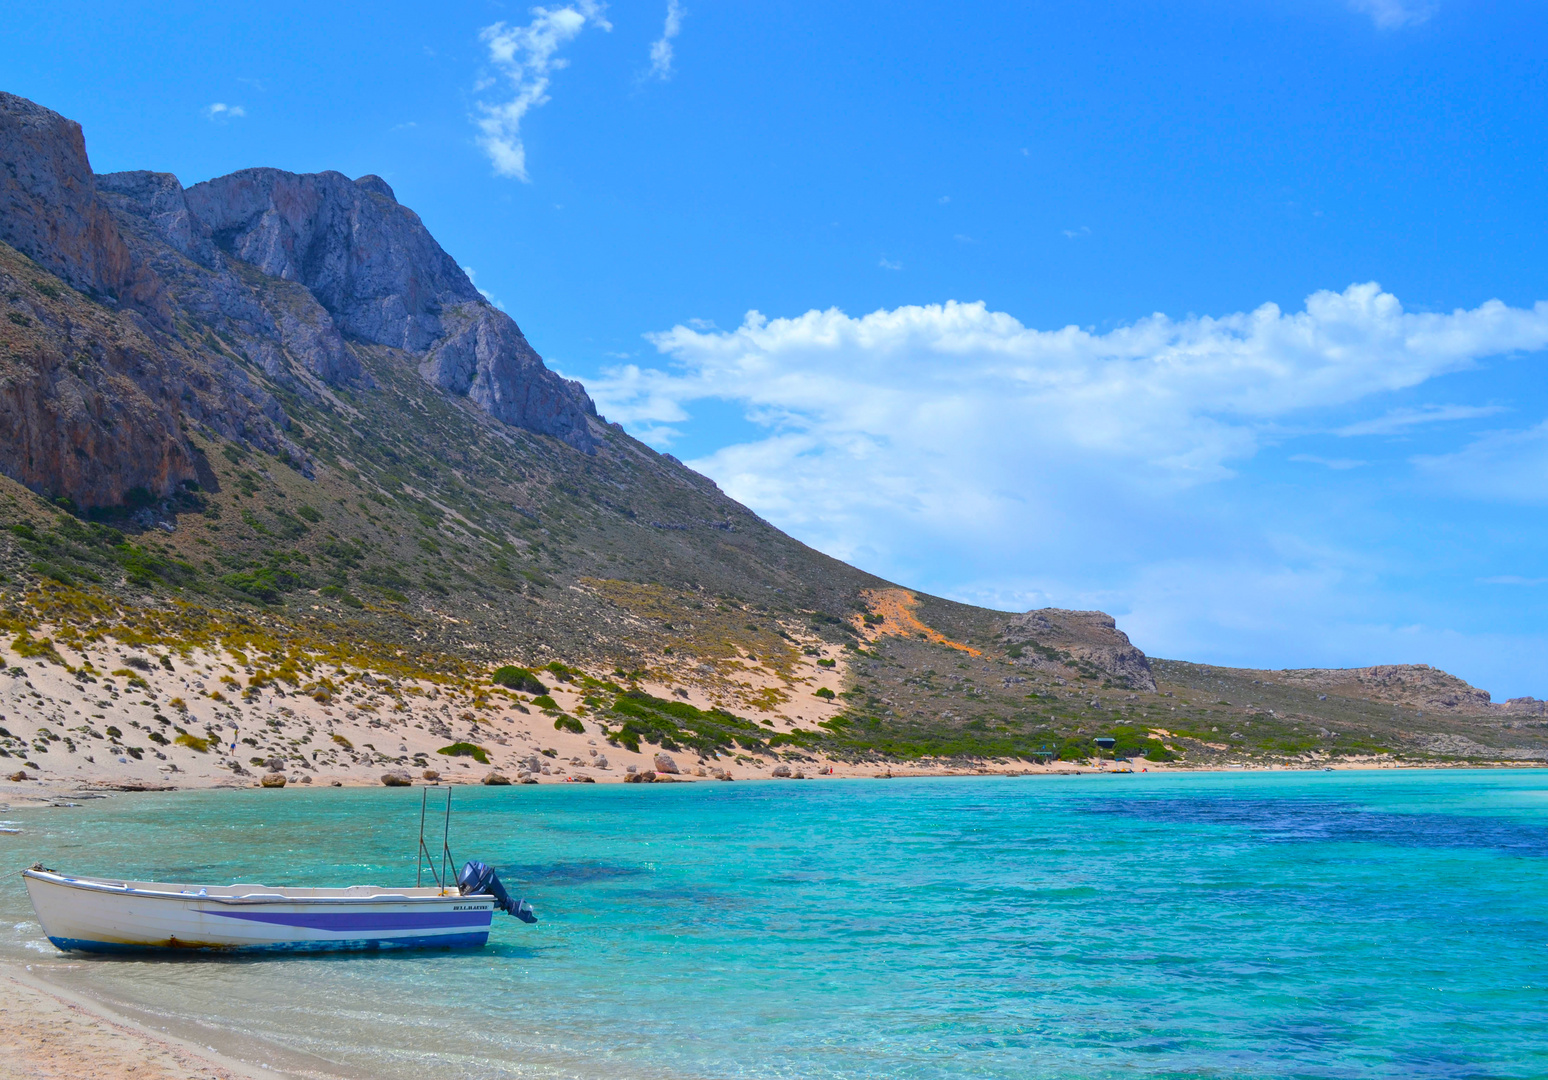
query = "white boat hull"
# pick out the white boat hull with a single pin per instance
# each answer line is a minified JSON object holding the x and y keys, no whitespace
{"x":95,"y":915}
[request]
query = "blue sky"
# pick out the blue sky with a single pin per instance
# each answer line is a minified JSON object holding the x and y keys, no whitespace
{"x":917,"y":201}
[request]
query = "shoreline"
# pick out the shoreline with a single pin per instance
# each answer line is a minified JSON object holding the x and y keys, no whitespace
{"x":49,"y":1032}
{"x":47,"y":790}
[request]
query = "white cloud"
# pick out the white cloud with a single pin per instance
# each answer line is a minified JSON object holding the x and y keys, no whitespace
{"x":661,"y":49}
{"x":1395,"y":14}
{"x":1075,"y":234}
{"x":888,"y":264}
{"x":1329,"y":463}
{"x":1400,"y":420}
{"x":1512,"y":579}
{"x":525,"y":57}
{"x":955,"y":425}
{"x":220,"y":112}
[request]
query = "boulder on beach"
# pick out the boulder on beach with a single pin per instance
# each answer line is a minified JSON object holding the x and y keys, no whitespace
{"x":430,"y":774}
{"x":665,"y":764}
{"x":18,"y":776}
{"x":781,"y":770}
{"x":646,"y":777}
{"x":273,"y":779}
{"x":397,"y":778}
{"x":495,"y":779}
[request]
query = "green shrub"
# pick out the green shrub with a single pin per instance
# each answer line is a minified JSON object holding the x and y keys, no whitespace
{"x":827,"y":663}
{"x":518,"y":678}
{"x":569,"y":723}
{"x":543,"y":701}
{"x":465,"y":749}
{"x":193,"y":742}
{"x":824,"y":693}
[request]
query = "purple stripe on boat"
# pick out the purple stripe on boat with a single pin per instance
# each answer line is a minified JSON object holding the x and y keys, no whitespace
{"x":345,"y":921}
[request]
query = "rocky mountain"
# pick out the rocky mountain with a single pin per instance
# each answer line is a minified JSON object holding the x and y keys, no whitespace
{"x":268,"y":416}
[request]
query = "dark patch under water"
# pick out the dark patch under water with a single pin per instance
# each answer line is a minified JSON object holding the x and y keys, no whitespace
{"x":569,"y":873}
{"x":1320,"y":820}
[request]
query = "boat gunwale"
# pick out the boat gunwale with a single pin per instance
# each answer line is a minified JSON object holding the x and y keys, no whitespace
{"x":124,"y":888}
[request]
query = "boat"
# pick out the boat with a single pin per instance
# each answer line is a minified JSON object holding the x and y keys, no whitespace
{"x":107,"y":915}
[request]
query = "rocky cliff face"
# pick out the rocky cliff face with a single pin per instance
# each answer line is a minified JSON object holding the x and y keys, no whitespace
{"x":262,"y":269}
{"x":1079,"y":638}
{"x":49,"y":208}
{"x":377,"y":271}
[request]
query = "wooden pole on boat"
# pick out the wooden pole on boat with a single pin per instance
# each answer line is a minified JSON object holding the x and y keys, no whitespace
{"x":419,"y":854}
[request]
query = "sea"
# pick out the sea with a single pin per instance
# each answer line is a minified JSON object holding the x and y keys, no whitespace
{"x":1252,"y":924}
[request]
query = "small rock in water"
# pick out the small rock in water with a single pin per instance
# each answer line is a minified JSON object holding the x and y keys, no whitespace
{"x":665,"y":764}
{"x":273,"y":779}
{"x":397,"y":778}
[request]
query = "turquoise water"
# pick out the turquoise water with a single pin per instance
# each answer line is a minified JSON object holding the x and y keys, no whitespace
{"x":1248,"y":925}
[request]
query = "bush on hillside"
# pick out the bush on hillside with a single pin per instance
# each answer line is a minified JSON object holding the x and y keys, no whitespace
{"x":518,"y":678}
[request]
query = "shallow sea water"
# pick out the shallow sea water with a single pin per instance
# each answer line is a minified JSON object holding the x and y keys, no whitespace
{"x":1389,"y":924}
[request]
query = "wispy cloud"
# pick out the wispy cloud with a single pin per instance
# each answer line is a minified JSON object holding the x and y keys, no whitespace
{"x":220,"y":112}
{"x":1511,"y":579}
{"x":1399,"y":420}
{"x":1502,"y":466}
{"x":661,"y":54}
{"x":1075,"y":234}
{"x":1395,"y":14}
{"x":1329,"y":463}
{"x":485,"y":293}
{"x":526,"y":57}
{"x":888,"y":264}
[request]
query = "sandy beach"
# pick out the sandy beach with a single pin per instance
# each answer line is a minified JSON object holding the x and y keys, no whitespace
{"x":50,"y":1034}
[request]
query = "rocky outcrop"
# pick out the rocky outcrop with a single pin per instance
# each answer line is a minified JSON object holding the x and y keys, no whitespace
{"x":374,"y":267}
{"x":1416,"y":685}
{"x":278,"y":270}
{"x":93,"y":401}
{"x":50,"y":212}
{"x":277,"y":323}
{"x":1057,"y":637}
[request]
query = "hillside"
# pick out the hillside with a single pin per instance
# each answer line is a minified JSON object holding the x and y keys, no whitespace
{"x":263,"y":434}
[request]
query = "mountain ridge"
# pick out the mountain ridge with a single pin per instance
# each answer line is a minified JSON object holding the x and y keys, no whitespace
{"x":272,"y":405}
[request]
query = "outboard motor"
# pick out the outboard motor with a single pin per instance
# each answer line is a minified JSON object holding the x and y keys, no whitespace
{"x":477,"y":879}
